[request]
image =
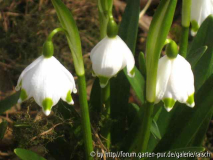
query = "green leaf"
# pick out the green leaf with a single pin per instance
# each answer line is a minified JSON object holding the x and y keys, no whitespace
{"x":8,"y":102}
{"x":133,"y":110}
{"x":201,"y":134}
{"x":185,"y":122}
{"x":133,"y":129}
{"x":142,"y":64}
{"x":67,"y":22}
{"x":138,"y":84}
{"x":3,"y":128}
{"x":128,"y":31}
{"x":27,"y":155}
{"x":204,"y":66}
{"x":155,"y":130}
{"x":120,"y":86}
{"x":158,"y":31}
{"x":194,"y":58}
{"x":95,"y":96}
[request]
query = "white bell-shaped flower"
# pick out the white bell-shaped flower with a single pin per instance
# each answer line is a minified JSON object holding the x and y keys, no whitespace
{"x":46,"y":80}
{"x":110,"y":56}
{"x":175,"y":82}
{"x":200,"y":10}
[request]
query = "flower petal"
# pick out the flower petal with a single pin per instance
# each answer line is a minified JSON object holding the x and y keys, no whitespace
{"x":196,"y":10}
{"x":181,"y":80}
{"x":107,"y":60}
{"x":71,"y":80}
{"x":45,"y":82}
{"x":129,"y":60}
{"x":33,"y":64}
{"x":163,"y":74}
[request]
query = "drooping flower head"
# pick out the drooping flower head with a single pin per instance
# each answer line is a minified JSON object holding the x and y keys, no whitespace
{"x":175,"y":81}
{"x":200,"y":10}
{"x":46,"y":80}
{"x":110,"y":56}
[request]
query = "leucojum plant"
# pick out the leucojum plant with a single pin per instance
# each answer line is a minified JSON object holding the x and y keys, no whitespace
{"x":182,"y":77}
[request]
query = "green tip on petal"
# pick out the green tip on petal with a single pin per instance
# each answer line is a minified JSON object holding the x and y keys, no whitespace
{"x":23,"y":95}
{"x":103,"y":81}
{"x":18,"y":86}
{"x":132,"y":72}
{"x":195,"y":26}
{"x":169,"y":103}
{"x":69,"y":98}
{"x":93,"y":74}
{"x":47,"y":105}
{"x":190,"y":101}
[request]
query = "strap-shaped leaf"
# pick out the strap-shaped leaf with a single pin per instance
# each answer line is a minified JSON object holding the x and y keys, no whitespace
{"x":120,"y":86}
{"x":194,"y":58}
{"x":9,"y":102}
{"x":128,"y":29}
{"x":158,"y":31}
{"x":204,"y":37}
{"x":138,"y":84}
{"x":67,"y":21}
{"x":27,"y":155}
{"x":201,"y":134}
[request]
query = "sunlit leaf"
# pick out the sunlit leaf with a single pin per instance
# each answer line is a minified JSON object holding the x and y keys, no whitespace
{"x":27,"y":155}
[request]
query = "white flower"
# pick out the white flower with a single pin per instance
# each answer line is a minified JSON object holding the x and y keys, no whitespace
{"x":46,"y":80}
{"x":200,"y":10}
{"x":110,"y":56}
{"x":175,"y":82}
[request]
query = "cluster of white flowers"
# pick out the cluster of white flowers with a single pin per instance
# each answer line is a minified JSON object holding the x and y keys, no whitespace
{"x":47,"y":80}
{"x":175,"y":80}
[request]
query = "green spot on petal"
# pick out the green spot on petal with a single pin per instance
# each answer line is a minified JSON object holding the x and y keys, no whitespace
{"x":190,"y":100}
{"x":132,"y":72}
{"x":47,"y":104}
{"x":195,"y":26}
{"x":168,"y":103}
{"x":20,"y":84}
{"x":103,"y":81}
{"x":23,"y":94}
{"x":69,"y":98}
{"x":93,"y":74}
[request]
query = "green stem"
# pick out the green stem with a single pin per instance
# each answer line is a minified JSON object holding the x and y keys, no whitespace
{"x":144,"y":131}
{"x":185,"y":22}
{"x":85,"y":117}
{"x":186,"y":13}
{"x":51,"y":35}
{"x":105,"y":94}
{"x":184,"y":41}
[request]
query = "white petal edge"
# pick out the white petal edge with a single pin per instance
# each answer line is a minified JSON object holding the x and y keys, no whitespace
{"x":28,"y":68}
{"x":163,"y":74}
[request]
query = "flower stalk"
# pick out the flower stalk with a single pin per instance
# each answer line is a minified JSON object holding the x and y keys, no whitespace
{"x":85,"y":119}
{"x":158,"y":32}
{"x":185,"y":22}
{"x":68,"y":23}
{"x":105,"y":95}
{"x":105,"y":10}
